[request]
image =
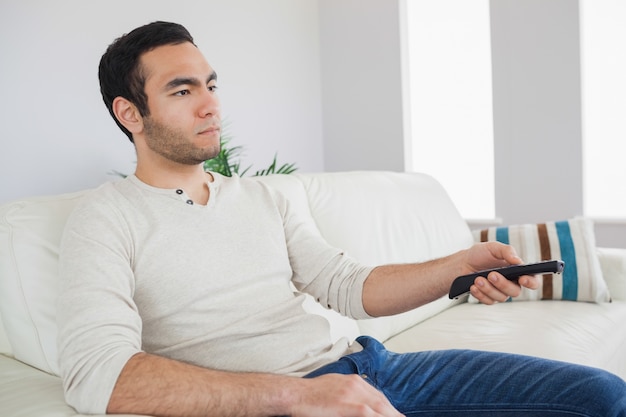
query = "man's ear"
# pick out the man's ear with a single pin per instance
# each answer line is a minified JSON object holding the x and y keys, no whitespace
{"x":128,"y":115}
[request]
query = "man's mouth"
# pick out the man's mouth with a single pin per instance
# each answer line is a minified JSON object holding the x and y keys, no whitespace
{"x":209,"y":130}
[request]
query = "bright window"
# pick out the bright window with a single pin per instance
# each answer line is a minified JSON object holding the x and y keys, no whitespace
{"x":451,"y":99}
{"x":603,"y":72}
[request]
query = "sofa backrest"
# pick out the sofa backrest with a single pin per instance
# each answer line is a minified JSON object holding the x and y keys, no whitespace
{"x":376,"y":217}
{"x":30,"y":233}
{"x":383,"y":217}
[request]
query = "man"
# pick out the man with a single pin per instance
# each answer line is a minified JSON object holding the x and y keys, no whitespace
{"x":175,"y":292}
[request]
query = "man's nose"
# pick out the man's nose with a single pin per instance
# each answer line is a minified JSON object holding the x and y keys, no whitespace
{"x":210,"y":105}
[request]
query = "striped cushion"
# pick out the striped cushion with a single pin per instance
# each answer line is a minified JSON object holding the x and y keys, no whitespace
{"x":572,"y":241}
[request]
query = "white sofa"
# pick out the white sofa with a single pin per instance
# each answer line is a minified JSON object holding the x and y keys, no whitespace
{"x":377,"y":217}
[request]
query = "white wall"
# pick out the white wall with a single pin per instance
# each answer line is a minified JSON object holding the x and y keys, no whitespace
{"x":57,"y":135}
{"x":362,"y":89}
{"x":319,"y":81}
{"x":537,"y":109}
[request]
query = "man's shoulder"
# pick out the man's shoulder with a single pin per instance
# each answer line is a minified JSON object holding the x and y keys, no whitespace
{"x":106,"y":193}
{"x":105,"y":200}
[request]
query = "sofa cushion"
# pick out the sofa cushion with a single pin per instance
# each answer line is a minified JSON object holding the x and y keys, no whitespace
{"x":590,"y":334}
{"x":30,"y":233}
{"x":572,"y":241}
{"x":5,"y":346}
{"x":387,"y":217}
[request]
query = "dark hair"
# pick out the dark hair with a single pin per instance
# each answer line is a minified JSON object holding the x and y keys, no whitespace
{"x":120,"y":71}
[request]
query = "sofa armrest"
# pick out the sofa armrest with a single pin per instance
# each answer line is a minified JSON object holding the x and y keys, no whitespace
{"x":5,"y":346}
{"x":613,"y":264}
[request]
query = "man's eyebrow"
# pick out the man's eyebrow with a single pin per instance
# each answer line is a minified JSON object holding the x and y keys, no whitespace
{"x":192,"y":81}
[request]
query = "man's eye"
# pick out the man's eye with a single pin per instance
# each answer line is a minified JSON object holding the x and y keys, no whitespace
{"x":181,"y":93}
{"x":212,"y":88}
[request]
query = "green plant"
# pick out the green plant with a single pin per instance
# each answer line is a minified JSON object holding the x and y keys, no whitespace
{"x":227,"y":162}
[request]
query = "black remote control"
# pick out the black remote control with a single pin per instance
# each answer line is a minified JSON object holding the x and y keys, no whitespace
{"x":462,"y":284}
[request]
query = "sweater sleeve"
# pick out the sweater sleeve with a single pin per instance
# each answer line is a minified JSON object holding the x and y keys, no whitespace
{"x":99,"y":325}
{"x":334,"y":279}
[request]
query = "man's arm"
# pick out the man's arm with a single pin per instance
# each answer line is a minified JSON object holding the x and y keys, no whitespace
{"x":158,"y":386}
{"x":393,"y":289}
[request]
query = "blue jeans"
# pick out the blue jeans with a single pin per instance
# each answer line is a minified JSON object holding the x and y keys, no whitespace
{"x":472,"y":383}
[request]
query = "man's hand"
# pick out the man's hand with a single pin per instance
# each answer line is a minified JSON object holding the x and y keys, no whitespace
{"x":495,"y":287}
{"x":336,"y":395}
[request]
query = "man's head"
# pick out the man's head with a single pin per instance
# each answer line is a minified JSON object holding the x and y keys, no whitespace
{"x":120,"y":71}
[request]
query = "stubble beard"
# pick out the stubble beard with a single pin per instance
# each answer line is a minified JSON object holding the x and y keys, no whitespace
{"x":173,"y":144}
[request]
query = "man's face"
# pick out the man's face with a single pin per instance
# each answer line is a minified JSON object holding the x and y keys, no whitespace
{"x":184,"y":121}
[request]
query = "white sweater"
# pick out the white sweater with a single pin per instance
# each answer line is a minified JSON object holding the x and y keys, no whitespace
{"x":142,"y":270}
